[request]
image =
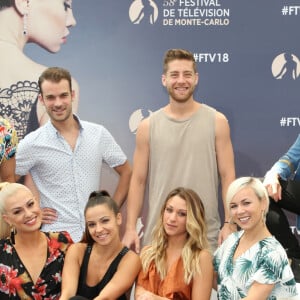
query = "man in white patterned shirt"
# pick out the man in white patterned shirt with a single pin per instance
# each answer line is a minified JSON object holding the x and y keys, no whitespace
{"x":64,"y":157}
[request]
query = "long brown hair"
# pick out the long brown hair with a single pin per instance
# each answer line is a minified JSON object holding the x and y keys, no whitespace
{"x":196,"y":239}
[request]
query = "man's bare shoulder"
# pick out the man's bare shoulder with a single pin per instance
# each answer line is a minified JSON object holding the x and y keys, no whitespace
{"x":220,"y":117}
{"x":222,"y":125}
{"x":144,"y":125}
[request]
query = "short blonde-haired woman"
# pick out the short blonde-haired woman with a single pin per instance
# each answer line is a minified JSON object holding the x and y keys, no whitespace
{"x":251,"y":263}
{"x":31,"y":261}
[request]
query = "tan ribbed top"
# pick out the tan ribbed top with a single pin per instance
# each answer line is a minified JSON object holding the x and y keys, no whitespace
{"x":182,"y":153}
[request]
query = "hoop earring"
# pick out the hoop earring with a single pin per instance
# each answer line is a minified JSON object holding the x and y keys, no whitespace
{"x":12,"y":234}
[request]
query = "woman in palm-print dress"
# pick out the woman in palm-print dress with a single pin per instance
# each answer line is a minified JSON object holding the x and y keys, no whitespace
{"x":251,"y":263}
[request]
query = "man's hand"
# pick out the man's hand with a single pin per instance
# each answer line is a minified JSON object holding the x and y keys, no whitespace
{"x":272,"y":184}
{"x":225,"y":231}
{"x":131,"y":238}
{"x":49,"y":215}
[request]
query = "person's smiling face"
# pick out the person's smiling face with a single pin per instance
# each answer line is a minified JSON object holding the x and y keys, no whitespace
{"x":247,"y":209}
{"x":23,"y":211}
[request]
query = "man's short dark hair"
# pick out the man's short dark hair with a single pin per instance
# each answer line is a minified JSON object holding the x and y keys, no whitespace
{"x":55,"y":74}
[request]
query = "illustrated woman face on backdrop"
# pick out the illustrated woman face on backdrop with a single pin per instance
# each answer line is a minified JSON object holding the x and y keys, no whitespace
{"x":48,"y":22}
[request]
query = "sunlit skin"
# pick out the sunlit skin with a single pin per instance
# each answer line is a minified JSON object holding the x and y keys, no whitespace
{"x":57,"y":99}
{"x":23,"y":211}
{"x":247,"y":210}
{"x":49,"y":23}
{"x":180,"y":80}
{"x":102,"y":224}
{"x":174,"y":217}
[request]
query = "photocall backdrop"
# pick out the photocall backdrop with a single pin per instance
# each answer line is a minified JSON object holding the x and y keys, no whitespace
{"x":247,"y":54}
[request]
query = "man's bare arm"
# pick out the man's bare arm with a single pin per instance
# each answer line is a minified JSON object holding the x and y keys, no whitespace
{"x":137,"y":185}
{"x":226,"y":168}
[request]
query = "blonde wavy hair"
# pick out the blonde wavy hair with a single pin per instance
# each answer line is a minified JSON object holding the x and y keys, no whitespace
{"x":196,"y":237}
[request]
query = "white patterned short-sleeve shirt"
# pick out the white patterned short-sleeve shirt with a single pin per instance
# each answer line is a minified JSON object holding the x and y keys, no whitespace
{"x":265,"y":262}
{"x":65,"y":177}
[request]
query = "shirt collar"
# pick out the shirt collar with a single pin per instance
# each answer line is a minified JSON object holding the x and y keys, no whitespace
{"x":54,"y":130}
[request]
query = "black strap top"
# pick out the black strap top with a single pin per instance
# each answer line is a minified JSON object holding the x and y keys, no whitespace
{"x":91,"y":292}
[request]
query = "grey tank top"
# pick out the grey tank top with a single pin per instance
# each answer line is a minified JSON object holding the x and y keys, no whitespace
{"x":182,"y":153}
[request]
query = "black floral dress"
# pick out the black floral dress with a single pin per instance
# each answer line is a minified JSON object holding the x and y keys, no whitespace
{"x":15,"y":281}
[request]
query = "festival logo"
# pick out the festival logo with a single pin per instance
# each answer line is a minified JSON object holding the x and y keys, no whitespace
{"x":136,"y":118}
{"x":286,"y":66}
{"x":143,"y":12}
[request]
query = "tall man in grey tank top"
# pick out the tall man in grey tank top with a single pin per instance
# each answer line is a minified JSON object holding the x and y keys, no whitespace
{"x":185,"y":143}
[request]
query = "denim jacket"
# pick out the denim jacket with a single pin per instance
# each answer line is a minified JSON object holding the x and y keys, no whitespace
{"x":287,"y":167}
